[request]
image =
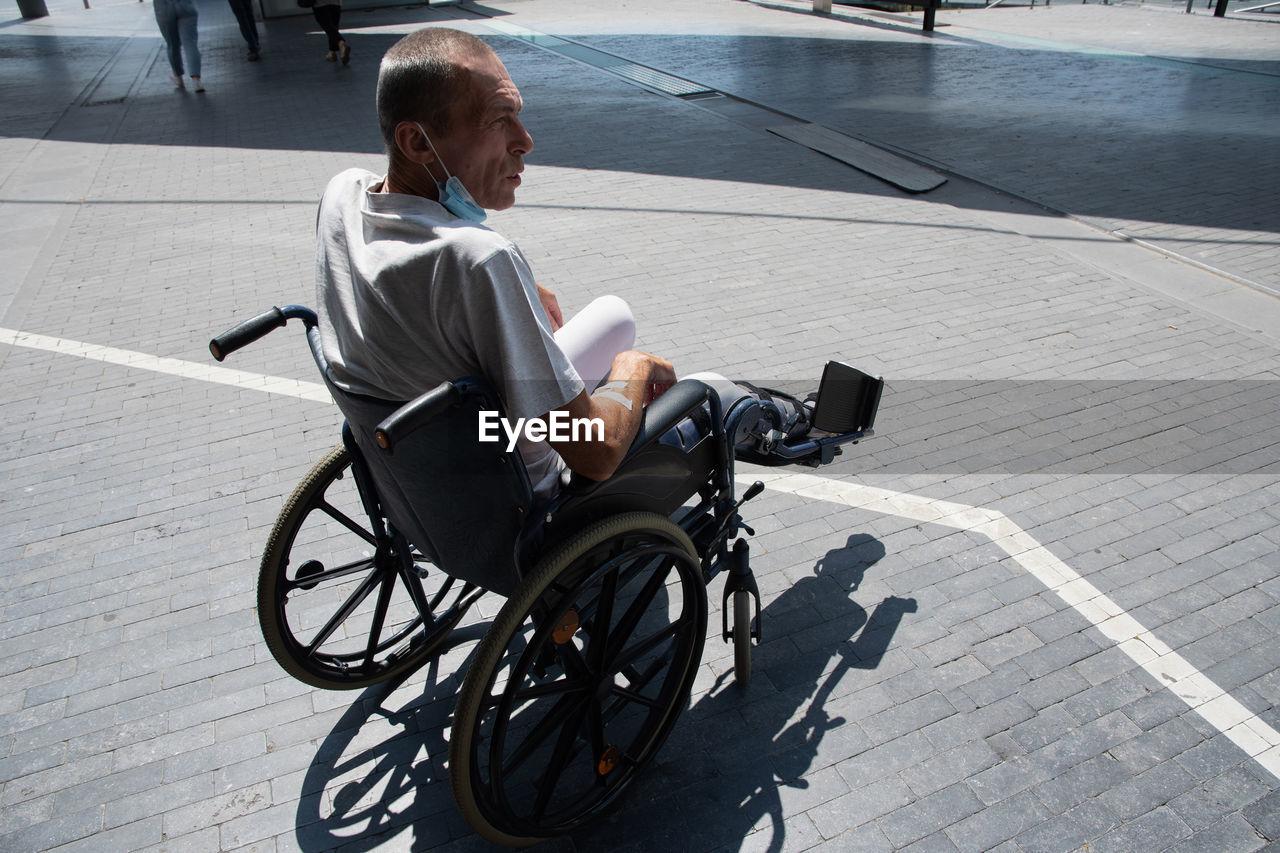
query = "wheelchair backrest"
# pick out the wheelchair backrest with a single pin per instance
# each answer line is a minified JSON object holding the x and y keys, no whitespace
{"x":462,"y":502}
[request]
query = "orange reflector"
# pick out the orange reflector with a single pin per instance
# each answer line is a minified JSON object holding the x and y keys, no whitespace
{"x":566,"y":628}
{"x":607,"y":761}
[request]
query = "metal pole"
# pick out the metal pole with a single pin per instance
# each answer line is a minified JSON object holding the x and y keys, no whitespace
{"x":1221,"y":10}
{"x":930,"y":10}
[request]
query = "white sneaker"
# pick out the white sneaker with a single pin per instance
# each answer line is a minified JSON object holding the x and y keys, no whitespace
{"x":199,"y":86}
{"x":177,"y":80}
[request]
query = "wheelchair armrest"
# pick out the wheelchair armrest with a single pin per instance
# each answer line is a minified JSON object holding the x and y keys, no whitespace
{"x":679,"y":401}
{"x":412,"y":415}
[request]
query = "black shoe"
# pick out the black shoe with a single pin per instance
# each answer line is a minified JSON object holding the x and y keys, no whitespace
{"x":254,"y":56}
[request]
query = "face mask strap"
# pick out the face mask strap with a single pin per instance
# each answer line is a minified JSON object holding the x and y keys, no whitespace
{"x":447,"y":176}
{"x":453,"y":195}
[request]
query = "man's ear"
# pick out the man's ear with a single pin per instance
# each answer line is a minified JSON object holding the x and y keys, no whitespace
{"x":412,"y":144}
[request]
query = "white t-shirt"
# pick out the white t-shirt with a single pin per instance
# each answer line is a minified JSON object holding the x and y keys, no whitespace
{"x":410,"y":296}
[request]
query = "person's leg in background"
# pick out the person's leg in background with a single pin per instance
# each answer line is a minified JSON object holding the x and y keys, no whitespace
{"x":167,"y":19}
{"x":324,"y":18}
{"x":243,"y":10}
{"x":344,"y":49}
{"x":188,"y":28}
{"x":328,"y":16}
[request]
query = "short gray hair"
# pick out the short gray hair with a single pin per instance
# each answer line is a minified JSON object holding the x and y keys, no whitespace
{"x":421,"y":79}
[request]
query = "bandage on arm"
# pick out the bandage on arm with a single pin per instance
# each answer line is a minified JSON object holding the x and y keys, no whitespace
{"x":615,"y":391}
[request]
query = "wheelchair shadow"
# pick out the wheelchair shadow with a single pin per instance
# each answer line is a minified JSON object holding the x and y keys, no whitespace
{"x":381,"y":771}
{"x":733,"y":760}
{"x":737,"y":760}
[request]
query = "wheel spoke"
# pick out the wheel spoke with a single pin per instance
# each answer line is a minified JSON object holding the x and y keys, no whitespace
{"x":540,"y":691}
{"x":566,"y":704}
{"x":599,"y":633}
{"x":573,"y":662}
{"x":413,"y":585}
{"x":385,"y":588}
{"x":627,"y":657}
{"x":631,"y":693}
{"x":635,"y":612}
{"x":442,"y":592}
{"x":633,"y":696}
{"x":348,"y":607}
{"x":337,"y":573}
{"x":342,"y":518}
{"x":560,"y":757}
{"x":595,"y":731}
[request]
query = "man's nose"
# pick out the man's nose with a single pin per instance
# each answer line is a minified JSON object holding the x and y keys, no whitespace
{"x":523,"y":142}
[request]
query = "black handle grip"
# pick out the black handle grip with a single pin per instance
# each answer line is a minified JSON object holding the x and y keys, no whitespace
{"x":246,"y":333}
{"x":404,"y":420}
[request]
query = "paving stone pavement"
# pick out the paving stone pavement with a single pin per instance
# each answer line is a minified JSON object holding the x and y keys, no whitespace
{"x":919,"y":687}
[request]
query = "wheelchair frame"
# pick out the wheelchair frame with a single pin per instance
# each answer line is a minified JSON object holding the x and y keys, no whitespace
{"x":593,"y":655}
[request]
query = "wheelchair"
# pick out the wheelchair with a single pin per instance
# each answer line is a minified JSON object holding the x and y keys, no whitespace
{"x":391,"y":537}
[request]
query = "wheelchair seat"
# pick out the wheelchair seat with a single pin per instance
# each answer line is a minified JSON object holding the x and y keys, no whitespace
{"x":468,"y":504}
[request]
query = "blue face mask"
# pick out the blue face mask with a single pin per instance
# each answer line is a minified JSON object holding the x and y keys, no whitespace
{"x":453,"y":195}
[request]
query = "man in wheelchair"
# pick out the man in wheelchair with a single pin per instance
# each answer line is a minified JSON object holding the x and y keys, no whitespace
{"x":603,"y":542}
{"x":414,"y":290}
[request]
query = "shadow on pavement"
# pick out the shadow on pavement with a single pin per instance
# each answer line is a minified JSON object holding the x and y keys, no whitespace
{"x":729,"y":763}
{"x":716,"y":779}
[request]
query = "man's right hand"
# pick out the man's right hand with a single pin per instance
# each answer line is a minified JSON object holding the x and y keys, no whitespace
{"x":634,"y":363}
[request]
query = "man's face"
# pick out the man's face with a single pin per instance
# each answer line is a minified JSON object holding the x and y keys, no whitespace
{"x":485,"y":148}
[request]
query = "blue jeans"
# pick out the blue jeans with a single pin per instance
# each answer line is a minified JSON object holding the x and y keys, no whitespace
{"x":177,"y":20}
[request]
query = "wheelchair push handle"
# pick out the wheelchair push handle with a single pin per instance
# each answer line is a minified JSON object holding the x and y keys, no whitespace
{"x":409,"y":417}
{"x":243,"y":334}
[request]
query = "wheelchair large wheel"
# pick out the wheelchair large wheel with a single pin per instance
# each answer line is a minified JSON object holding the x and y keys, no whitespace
{"x":339,"y":608}
{"x":579,"y":680}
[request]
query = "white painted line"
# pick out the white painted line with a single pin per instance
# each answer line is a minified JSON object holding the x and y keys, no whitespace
{"x":1244,"y":728}
{"x":173,"y":367}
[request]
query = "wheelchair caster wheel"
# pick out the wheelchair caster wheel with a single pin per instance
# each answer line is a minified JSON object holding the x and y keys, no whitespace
{"x":742,"y":603}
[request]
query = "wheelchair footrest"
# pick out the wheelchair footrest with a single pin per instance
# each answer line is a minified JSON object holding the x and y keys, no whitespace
{"x":848,"y":399}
